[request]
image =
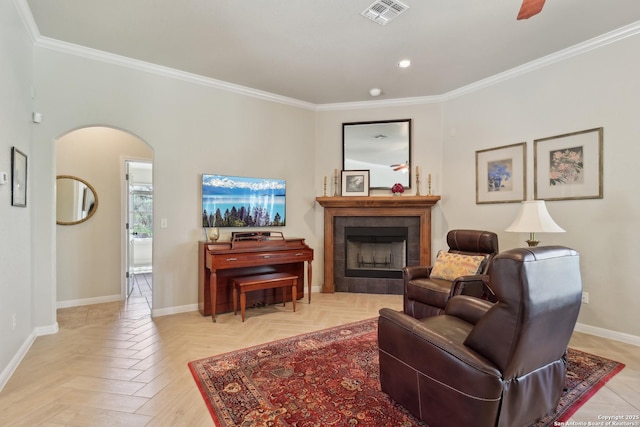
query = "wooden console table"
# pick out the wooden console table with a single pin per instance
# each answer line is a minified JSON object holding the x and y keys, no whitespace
{"x":219,"y":262}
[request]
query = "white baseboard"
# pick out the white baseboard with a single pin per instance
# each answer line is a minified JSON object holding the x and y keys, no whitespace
{"x":607,"y":333}
{"x":173,"y":310}
{"x":88,"y":301}
{"x":194,"y":307}
{"x":8,"y":371}
{"x":15,"y":360}
{"x":46,"y":330}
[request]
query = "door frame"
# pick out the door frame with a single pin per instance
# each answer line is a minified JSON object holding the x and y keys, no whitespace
{"x":124,"y":220}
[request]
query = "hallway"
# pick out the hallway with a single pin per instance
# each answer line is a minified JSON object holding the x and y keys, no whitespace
{"x":137,"y":306}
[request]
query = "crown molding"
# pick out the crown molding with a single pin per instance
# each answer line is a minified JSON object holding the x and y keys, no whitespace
{"x":586,"y":46}
{"x":27,"y":19}
{"x":123,"y":61}
{"x":395,"y":102}
{"x":48,"y":43}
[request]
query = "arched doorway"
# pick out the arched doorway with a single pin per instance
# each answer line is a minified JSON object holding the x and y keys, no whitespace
{"x":91,"y":256}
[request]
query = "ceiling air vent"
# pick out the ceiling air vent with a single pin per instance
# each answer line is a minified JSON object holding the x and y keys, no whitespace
{"x":383,"y":11}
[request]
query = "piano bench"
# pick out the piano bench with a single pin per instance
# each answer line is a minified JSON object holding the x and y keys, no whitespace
{"x":263,"y":281}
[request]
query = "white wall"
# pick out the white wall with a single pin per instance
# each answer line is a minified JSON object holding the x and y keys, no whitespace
{"x":213,"y":131}
{"x":426,"y":153}
{"x":195,"y":128}
{"x":89,"y":261}
{"x":192,"y":129}
{"x":15,"y":222}
{"x":598,"y":88}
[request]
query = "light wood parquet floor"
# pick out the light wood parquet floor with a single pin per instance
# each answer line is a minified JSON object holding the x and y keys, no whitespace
{"x":112,"y":365}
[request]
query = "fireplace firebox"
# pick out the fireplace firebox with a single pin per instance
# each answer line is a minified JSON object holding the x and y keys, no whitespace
{"x":375,"y":251}
{"x":371,"y":252}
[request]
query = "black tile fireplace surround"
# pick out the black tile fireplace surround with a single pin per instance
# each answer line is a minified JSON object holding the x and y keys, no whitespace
{"x":373,"y":285}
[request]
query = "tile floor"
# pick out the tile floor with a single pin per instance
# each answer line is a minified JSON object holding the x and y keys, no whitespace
{"x":113,"y":365}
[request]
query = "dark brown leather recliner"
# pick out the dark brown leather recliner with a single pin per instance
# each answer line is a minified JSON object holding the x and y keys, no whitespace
{"x":485,"y":364}
{"x":425,"y":296}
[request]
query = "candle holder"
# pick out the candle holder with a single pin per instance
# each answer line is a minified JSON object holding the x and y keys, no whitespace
{"x":417,"y":184}
{"x":335,"y":186}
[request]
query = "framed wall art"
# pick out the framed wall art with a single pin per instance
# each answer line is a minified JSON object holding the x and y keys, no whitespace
{"x":18,"y":178}
{"x":569,"y":166}
{"x":355,"y":183}
{"x":501,"y":174}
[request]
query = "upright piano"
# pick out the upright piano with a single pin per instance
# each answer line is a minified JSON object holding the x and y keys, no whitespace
{"x":248,"y":254}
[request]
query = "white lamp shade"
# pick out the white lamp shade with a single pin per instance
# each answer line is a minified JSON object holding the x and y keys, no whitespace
{"x":534,"y":218}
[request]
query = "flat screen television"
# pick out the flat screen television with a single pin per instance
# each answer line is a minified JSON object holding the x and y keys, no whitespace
{"x":235,"y":201}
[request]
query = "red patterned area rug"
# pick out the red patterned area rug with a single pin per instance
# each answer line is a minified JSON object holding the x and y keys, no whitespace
{"x":330,"y":378}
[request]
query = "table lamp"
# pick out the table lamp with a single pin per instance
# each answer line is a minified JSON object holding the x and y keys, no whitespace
{"x":532,"y":218}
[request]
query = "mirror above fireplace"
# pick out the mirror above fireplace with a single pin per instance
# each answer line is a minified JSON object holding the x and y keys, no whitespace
{"x":383,"y":148}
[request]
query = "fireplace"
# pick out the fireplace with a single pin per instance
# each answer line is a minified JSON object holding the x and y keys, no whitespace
{"x":370,"y":252}
{"x":375,"y":251}
{"x":410,"y":212}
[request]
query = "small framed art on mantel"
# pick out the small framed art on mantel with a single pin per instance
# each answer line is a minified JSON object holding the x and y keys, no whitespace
{"x":355,"y":183}
{"x":501,"y":174}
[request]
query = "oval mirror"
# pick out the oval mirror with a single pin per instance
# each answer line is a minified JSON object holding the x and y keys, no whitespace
{"x":76,"y":200}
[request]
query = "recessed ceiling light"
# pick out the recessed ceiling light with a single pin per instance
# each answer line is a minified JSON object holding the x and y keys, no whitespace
{"x":405,"y":63}
{"x":375,"y":92}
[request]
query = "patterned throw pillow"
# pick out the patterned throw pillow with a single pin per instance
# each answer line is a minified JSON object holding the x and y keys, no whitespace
{"x":449,"y":266}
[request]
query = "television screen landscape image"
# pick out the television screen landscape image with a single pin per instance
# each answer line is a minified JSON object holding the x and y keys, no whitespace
{"x":234,"y":201}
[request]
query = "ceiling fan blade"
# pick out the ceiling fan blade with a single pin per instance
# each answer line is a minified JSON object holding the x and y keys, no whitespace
{"x":530,"y":8}
{"x":399,"y":167}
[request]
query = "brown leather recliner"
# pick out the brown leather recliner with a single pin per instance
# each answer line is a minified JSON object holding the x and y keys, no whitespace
{"x":425,"y":296}
{"x":485,"y":364}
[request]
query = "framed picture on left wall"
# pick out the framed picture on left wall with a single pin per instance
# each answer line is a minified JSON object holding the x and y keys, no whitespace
{"x":18,"y":178}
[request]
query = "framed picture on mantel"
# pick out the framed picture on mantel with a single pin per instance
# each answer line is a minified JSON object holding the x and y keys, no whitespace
{"x":355,"y":183}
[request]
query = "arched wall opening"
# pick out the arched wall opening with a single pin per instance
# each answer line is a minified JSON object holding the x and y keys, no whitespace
{"x":90,"y":255}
